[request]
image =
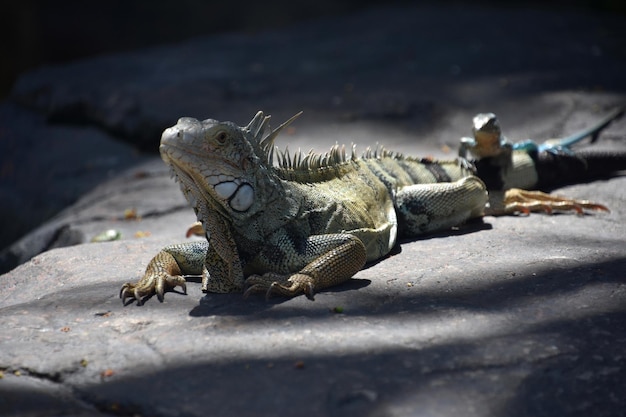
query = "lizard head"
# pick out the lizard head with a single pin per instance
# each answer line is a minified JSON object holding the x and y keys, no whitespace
{"x":221,"y":166}
{"x":486,"y":128}
{"x":487,"y":135}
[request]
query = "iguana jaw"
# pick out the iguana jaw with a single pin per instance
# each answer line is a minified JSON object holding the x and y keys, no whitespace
{"x":196,"y":194}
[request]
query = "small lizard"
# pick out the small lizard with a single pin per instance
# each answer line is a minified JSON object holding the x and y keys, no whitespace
{"x":509,"y":168}
{"x":311,"y":221}
{"x":488,"y":140}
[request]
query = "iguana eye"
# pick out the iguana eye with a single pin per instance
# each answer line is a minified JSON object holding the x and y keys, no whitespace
{"x":221,"y":137}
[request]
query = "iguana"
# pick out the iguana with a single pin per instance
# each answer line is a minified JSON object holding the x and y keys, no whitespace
{"x":312,"y":221}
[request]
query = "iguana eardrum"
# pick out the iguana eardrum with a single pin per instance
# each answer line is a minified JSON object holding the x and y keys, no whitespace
{"x":312,"y":221}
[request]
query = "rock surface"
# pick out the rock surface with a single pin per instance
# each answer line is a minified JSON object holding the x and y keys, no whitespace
{"x":516,"y":316}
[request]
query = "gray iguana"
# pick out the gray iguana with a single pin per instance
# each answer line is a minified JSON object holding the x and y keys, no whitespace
{"x":311,"y":221}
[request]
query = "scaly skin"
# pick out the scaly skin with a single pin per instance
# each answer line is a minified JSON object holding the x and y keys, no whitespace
{"x":308,"y":223}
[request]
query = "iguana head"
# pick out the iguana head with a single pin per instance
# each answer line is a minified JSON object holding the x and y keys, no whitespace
{"x":222,"y":167}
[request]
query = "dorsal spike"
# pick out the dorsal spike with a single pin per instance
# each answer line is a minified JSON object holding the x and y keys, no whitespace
{"x":269,"y":139}
{"x":297,"y":158}
{"x":317,"y":160}
{"x":300,"y":162}
{"x":379,"y":151}
{"x":283,"y":156}
{"x":337,"y":154}
{"x":288,"y":157}
{"x":258,"y":123}
{"x":270,"y":156}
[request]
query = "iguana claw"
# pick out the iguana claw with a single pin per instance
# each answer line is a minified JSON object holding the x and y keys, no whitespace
{"x":150,"y":285}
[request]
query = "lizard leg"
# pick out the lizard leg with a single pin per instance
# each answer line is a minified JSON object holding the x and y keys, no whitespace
{"x":424,"y":208}
{"x":165,"y":271}
{"x":518,"y":200}
{"x":335,"y":259}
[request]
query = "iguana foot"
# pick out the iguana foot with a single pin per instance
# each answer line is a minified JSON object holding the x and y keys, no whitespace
{"x":286,"y":285}
{"x":162,"y":275}
{"x":517,"y":200}
{"x":146,"y":288}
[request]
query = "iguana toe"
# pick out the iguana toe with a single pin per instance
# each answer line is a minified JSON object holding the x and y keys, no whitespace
{"x":285,"y":285}
{"x":131,"y":292}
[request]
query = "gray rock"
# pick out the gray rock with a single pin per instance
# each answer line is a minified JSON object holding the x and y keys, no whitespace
{"x":45,"y":169}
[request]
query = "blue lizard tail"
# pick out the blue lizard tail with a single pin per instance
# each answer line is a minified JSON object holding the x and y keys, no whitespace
{"x":565,"y":144}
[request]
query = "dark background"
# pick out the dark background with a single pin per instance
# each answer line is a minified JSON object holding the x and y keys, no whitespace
{"x":38,"y":33}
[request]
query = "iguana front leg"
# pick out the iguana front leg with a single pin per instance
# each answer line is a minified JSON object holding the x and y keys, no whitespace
{"x":329,"y":260}
{"x":165,"y":271}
